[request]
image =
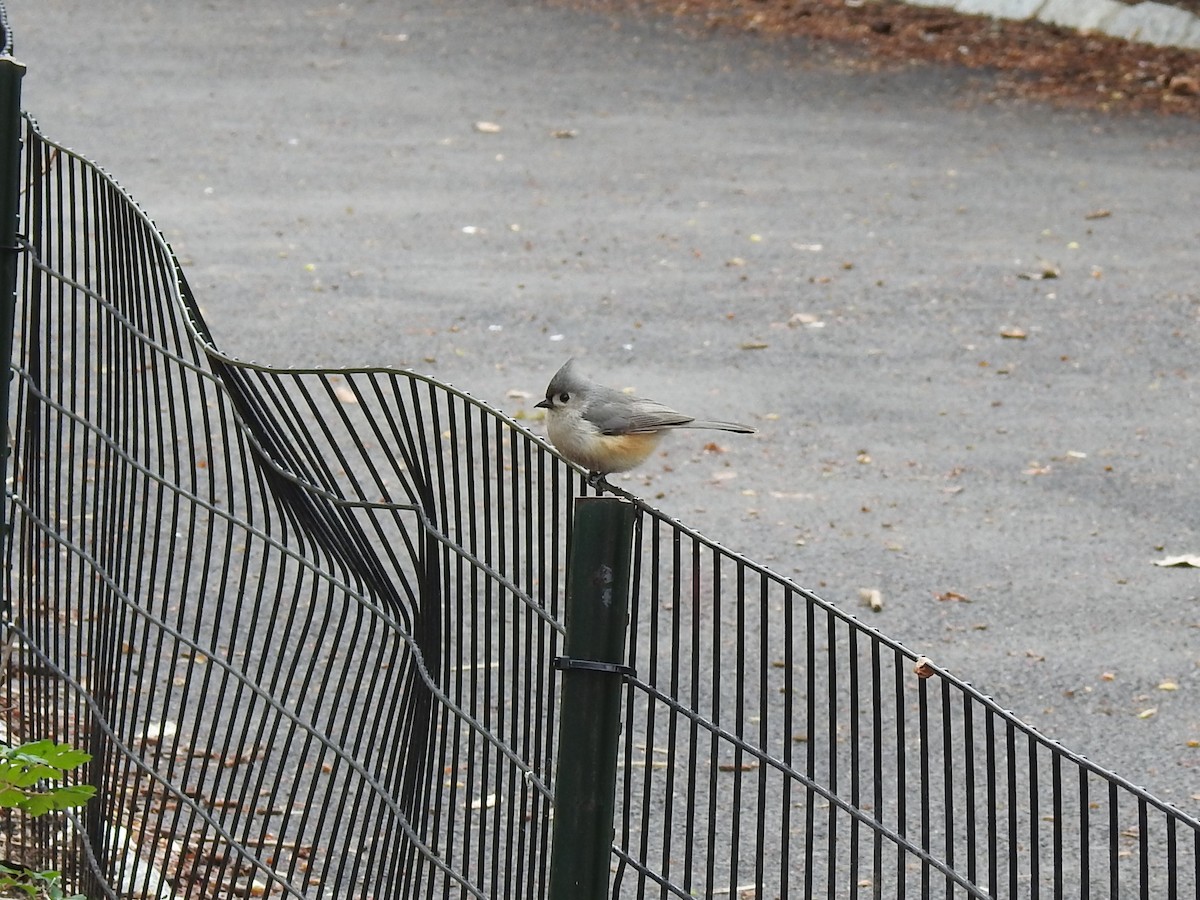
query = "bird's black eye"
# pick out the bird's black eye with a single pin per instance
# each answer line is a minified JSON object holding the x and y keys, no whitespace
{"x":564,"y":397}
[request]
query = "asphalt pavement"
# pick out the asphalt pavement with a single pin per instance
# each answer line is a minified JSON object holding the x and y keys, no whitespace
{"x":966,"y":330}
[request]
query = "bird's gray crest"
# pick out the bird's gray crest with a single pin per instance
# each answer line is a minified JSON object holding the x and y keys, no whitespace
{"x":568,"y":379}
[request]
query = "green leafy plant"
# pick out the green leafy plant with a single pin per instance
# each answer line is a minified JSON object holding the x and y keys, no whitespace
{"x":24,"y":774}
{"x":34,"y":884}
{"x":23,"y":767}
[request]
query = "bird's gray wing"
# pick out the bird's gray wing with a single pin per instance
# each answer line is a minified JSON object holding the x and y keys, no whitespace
{"x":627,"y":415}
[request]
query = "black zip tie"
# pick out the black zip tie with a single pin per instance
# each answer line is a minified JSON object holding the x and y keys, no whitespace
{"x":22,"y":245}
{"x":563,"y":663}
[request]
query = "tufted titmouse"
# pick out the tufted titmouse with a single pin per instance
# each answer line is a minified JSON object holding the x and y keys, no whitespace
{"x":606,"y":431}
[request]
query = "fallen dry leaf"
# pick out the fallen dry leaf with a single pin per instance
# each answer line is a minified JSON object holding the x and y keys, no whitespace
{"x":737,"y":767}
{"x":804,"y":319}
{"x":1013,"y":334}
{"x":1190,"y":560}
{"x":484,"y":802}
{"x":1046,"y":271}
{"x":953,"y":596}
{"x":1184,"y":85}
{"x":156,"y":732}
{"x":872,"y":597}
{"x":1099,"y":214}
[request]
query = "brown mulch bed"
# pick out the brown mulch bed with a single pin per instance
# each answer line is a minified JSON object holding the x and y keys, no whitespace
{"x":1021,"y":59}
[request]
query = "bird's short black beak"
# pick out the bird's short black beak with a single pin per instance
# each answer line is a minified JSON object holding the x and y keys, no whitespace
{"x":544,"y":404}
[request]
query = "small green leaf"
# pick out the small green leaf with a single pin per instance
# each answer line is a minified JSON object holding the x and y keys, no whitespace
{"x":33,"y":748}
{"x":32,"y":774}
{"x":74,"y":795}
{"x":65,"y":757}
{"x":38,"y":804}
{"x":23,"y":769}
{"x":11,"y":798}
{"x":59,"y":756}
{"x":16,"y":880}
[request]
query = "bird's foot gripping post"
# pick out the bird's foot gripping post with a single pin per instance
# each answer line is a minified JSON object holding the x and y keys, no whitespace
{"x":593,"y":667}
{"x":598,"y":481}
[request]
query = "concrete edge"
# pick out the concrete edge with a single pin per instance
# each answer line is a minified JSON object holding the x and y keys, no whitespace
{"x":1148,"y":22}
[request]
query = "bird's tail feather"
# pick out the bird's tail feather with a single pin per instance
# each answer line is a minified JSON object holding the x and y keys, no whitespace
{"x":720,"y":426}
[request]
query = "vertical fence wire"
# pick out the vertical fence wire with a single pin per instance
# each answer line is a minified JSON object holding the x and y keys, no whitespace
{"x":304,"y":622}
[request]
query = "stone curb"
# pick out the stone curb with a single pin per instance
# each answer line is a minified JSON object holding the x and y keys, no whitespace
{"x":1147,"y":23}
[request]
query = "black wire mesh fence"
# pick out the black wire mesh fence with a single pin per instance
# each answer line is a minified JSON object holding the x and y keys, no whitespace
{"x":305,"y":623}
{"x":299,"y":617}
{"x":777,"y":747}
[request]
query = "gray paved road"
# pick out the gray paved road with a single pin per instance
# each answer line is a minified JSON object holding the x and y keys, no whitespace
{"x":318,"y":169}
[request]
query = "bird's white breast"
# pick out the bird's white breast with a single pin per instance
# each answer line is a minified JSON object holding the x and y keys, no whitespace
{"x":583,"y":443}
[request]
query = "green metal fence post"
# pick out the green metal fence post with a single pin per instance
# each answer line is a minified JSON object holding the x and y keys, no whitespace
{"x":597,"y":611}
{"x":11,"y":73}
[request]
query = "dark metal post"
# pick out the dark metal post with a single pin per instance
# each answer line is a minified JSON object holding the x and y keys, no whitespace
{"x":597,"y":611}
{"x":11,"y":73}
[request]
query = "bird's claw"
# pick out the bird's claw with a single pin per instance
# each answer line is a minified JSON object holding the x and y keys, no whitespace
{"x":597,"y":481}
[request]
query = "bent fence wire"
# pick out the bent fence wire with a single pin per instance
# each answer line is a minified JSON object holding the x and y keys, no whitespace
{"x":305,"y":623}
